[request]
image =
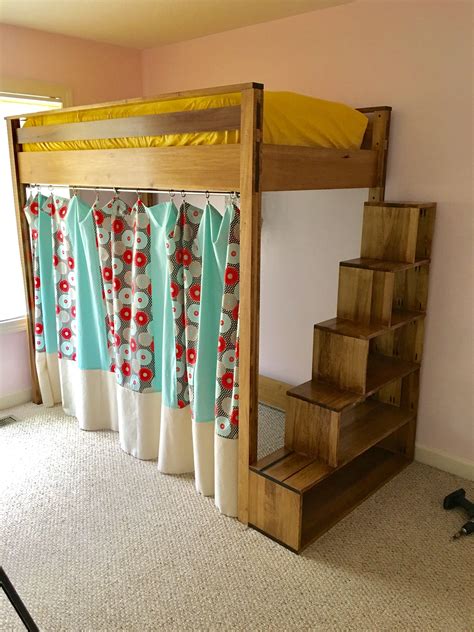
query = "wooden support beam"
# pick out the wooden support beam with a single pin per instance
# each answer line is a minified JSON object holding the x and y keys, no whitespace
{"x":25,"y":254}
{"x":250,"y":226}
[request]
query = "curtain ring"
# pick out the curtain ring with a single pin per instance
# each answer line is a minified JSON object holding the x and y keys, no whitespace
{"x":171,"y":194}
{"x":208,"y":195}
{"x":183,"y":195}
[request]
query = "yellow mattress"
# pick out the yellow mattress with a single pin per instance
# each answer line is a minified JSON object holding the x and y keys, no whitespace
{"x":289,"y":119}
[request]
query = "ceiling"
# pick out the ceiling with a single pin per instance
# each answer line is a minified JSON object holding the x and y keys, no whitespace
{"x":147,"y":23}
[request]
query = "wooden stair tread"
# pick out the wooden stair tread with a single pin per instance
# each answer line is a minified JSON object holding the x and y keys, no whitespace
{"x":353,"y":329}
{"x":296,"y":471}
{"x":382,"y":370}
{"x":375,"y":422}
{"x":325,"y":395}
{"x":401,"y":204}
{"x":300,"y":472}
{"x":383,"y":266}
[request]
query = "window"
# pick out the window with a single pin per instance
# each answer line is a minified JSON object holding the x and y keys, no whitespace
{"x":12,"y":302}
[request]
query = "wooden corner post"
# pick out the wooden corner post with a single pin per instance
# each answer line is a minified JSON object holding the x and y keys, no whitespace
{"x":251,"y":139}
{"x":380,"y":139}
{"x":13,"y":125}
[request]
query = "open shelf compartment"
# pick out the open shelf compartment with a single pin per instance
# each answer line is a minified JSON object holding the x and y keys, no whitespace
{"x":296,"y":499}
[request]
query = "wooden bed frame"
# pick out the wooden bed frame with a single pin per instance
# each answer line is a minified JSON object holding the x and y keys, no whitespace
{"x":250,"y":168}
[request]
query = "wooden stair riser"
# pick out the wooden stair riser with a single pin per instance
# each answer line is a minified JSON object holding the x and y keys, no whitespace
{"x":404,"y":343}
{"x":397,"y":232}
{"x":410,"y":290}
{"x":365,"y":296}
{"x":312,"y":430}
{"x":340,"y":360}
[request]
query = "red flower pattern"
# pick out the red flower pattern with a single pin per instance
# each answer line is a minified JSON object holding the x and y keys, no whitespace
{"x":145,"y":374}
{"x":140,"y":259}
{"x":231,"y":275}
{"x":141,"y":318}
{"x":191,"y":356}
{"x":195,"y":292}
{"x":66,"y":333}
{"x":117,"y":226}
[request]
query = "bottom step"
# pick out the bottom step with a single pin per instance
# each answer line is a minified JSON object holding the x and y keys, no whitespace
{"x":297,"y":519}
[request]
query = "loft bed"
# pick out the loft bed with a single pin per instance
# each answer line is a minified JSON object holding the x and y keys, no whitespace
{"x":249,"y":167}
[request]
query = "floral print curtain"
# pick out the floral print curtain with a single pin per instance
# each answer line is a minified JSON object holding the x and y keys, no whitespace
{"x":136,"y":328}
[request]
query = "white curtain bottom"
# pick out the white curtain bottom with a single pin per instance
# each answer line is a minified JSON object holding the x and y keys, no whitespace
{"x":147,"y":429}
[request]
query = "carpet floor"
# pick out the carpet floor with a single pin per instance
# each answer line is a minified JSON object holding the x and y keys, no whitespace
{"x":94,"y":540}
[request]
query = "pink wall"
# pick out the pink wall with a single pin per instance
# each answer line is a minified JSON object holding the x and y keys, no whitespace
{"x":94,"y":72}
{"x":14,"y":366}
{"x":416,"y":57}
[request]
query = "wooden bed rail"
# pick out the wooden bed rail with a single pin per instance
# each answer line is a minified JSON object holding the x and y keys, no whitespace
{"x":210,"y":120}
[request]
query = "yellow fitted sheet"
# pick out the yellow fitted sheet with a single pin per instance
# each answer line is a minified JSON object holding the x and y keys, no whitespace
{"x":289,"y":119}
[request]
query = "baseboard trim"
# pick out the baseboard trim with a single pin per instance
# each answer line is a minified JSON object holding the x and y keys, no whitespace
{"x":15,"y":399}
{"x":443,"y":461}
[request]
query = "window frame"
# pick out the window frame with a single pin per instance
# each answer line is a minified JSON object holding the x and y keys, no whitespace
{"x":45,"y":91}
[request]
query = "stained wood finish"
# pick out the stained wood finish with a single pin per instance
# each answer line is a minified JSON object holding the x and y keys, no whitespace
{"x":354,"y":299}
{"x":292,"y":168}
{"x":25,"y":256}
{"x":212,"y":119}
{"x":309,"y":476}
{"x":184,"y":94}
{"x":368,"y":429}
{"x":411,"y":288}
{"x":325,"y":395}
{"x":330,"y":360}
{"x":380,"y":120}
{"x":382,"y":370}
{"x":382,"y":297}
{"x":250,"y":226}
{"x":288,"y":466}
{"x":425,"y":230}
{"x":296,"y":472}
{"x":373,"y":430}
{"x":354,"y":329}
{"x":389,"y":232}
{"x":275,"y":510}
{"x":365,"y":295}
{"x":337,"y":495}
{"x":270,"y":459}
{"x":405,"y":343}
{"x":383,"y":266}
{"x":272,"y":392}
{"x":201,"y":167}
{"x":312,"y":430}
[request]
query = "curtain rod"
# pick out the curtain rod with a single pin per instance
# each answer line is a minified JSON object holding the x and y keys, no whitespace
{"x":137,"y":190}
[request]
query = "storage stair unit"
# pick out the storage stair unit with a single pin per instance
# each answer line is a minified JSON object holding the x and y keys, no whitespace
{"x":352,"y":427}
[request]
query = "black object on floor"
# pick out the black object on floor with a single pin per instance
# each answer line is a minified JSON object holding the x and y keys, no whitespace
{"x":458,"y":499}
{"x":16,"y":602}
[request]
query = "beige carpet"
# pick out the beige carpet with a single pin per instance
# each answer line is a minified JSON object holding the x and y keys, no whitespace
{"x":96,"y":540}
